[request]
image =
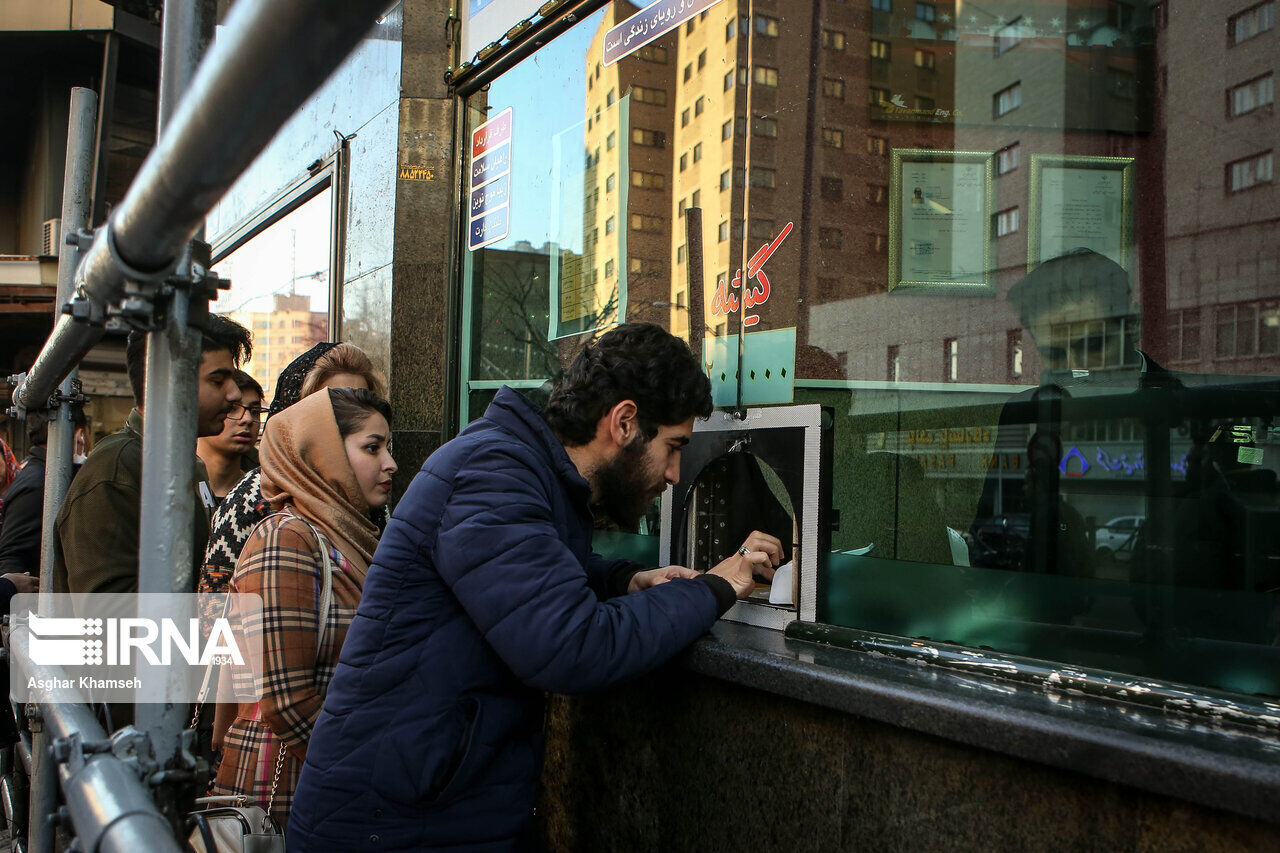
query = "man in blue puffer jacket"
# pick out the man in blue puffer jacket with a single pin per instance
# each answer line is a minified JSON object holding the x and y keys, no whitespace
{"x":484,"y":592}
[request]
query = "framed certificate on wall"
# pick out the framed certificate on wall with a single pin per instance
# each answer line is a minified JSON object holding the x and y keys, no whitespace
{"x":1081,"y":203}
{"x":940,"y":221}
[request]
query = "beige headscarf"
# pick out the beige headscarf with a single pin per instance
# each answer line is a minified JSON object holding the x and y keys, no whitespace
{"x":304,"y":464}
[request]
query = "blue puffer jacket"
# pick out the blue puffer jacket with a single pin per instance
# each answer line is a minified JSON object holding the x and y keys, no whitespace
{"x":483,"y":593}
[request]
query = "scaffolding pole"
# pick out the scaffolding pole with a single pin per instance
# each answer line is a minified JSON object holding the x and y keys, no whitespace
{"x":77,"y":191}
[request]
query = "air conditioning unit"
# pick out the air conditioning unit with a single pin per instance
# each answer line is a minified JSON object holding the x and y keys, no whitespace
{"x":51,"y":237}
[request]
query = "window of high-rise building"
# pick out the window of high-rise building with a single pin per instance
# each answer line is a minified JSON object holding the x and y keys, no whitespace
{"x":653,"y":53}
{"x":764,"y":126}
{"x":1251,"y":95}
{"x":1255,"y":170}
{"x":726,"y":130}
{"x":762,"y":177}
{"x":702,"y":60}
{"x":833,"y":39}
{"x":880,"y":49}
{"x":882,"y":5}
{"x":688,"y":72}
{"x":699,"y":106}
{"x":766,"y":26}
{"x":831,"y":188}
{"x":833,"y":87}
{"x":724,"y":179}
{"x":609,"y":98}
{"x":830,"y":238}
{"x":1007,"y":159}
{"x":762,"y":229}
{"x":1252,"y":22}
{"x":950,"y":360}
{"x":926,"y":59}
{"x":1009,"y":36}
{"x":723,"y":232}
{"x":832,"y":137}
{"x":1013,"y":350}
{"x":647,"y":95}
{"x":877,"y":96}
{"x":695,"y":200}
{"x":684,"y":161}
{"x":877,"y":194}
{"x":728,"y":80}
{"x":684,"y":117}
{"x":765,"y":76}
{"x":610,"y":225}
{"x":645,"y":222}
{"x":611,"y":140}
{"x":1006,"y":222}
{"x":1007,"y":100}
{"x":697,"y":152}
{"x":926,"y":12}
{"x":648,"y":138}
{"x":877,"y":145}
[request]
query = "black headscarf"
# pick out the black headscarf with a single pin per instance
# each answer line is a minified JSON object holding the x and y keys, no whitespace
{"x":289,"y":385}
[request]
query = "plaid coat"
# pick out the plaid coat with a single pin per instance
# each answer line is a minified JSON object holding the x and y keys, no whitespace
{"x":281,"y":562}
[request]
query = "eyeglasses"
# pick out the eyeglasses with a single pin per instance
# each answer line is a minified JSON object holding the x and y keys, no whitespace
{"x":237,"y":411}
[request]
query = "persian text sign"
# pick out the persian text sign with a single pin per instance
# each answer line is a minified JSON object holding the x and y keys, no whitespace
{"x":489,"y":211}
{"x":725,"y":302}
{"x":648,"y":24}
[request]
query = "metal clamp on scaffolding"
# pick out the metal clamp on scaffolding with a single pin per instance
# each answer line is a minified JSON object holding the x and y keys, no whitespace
{"x":146,"y":299}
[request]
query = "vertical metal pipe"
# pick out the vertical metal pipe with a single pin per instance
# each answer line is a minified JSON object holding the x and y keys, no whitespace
{"x":165,"y":546}
{"x":77,"y":191}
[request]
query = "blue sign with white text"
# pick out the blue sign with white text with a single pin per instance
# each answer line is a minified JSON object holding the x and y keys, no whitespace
{"x":493,"y":194}
{"x":486,"y":229}
{"x":491,"y":165}
{"x":648,"y":24}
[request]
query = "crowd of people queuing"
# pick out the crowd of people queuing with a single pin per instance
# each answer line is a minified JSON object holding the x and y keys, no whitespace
{"x":405,"y":654}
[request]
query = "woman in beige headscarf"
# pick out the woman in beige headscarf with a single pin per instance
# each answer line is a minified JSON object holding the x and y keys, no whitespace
{"x":325,"y":467}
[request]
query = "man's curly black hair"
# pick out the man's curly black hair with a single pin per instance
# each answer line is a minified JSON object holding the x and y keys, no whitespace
{"x":635,"y":361}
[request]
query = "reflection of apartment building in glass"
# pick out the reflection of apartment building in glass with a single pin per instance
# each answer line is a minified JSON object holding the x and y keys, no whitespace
{"x":629,"y":157}
{"x":1219,"y":128}
{"x":281,"y":335}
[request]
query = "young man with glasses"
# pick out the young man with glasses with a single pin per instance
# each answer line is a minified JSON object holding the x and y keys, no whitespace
{"x":231,"y":454}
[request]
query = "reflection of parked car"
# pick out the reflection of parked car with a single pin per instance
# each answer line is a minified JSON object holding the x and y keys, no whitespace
{"x":1116,"y":538}
{"x":1000,"y":542}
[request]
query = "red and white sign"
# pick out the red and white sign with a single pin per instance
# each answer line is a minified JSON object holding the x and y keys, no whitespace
{"x":491,"y":134}
{"x":726,"y":302}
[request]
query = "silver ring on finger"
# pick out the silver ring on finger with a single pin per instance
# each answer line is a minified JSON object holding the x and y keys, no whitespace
{"x":744,"y":551}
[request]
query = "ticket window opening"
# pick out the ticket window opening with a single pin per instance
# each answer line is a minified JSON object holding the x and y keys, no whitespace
{"x":733,"y":495}
{"x":767,"y":470}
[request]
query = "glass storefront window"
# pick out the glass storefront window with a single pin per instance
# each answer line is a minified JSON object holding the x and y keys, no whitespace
{"x":1026,"y":254}
{"x":280,"y":288}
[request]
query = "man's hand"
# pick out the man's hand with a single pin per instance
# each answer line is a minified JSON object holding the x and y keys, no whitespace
{"x":653,"y":577}
{"x":23,"y":582}
{"x":759,"y":555}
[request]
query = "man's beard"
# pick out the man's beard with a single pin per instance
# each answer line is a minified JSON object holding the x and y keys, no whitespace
{"x":625,"y":486}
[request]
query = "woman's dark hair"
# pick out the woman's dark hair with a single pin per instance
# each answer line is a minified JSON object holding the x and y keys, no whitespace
{"x":635,"y":361}
{"x":352,"y":407}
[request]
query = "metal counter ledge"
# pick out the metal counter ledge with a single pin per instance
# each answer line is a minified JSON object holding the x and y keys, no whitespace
{"x":1208,"y":760}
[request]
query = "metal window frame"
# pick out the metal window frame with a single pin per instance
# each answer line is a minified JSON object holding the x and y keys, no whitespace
{"x":328,"y":173}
